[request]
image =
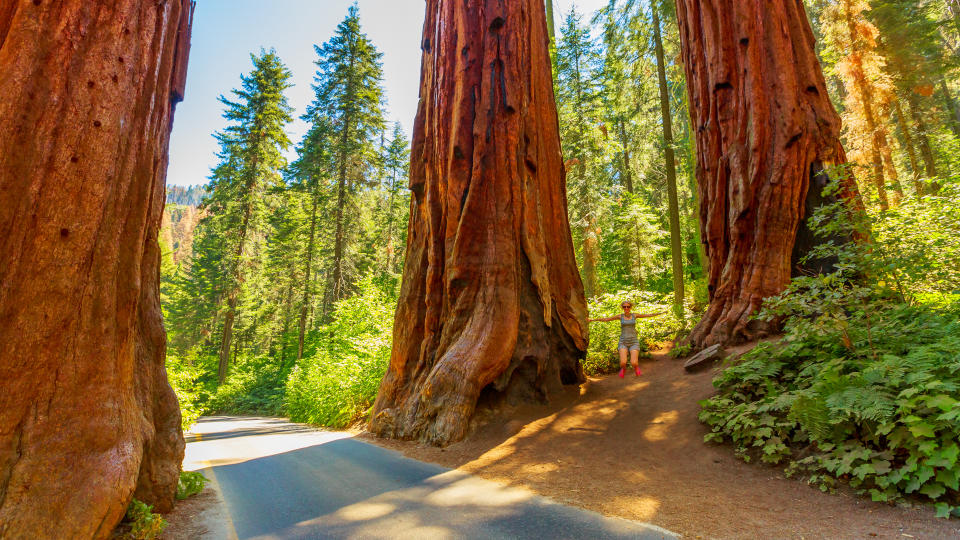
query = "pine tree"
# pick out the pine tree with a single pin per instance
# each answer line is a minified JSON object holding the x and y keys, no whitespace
{"x":251,"y":154}
{"x":676,"y":244}
{"x":852,"y":39}
{"x":630,"y":249}
{"x":913,"y":49}
{"x":397,"y":203}
{"x":579,"y":106}
{"x":349,"y":95}
{"x":311,"y":179}
{"x":625,"y":248}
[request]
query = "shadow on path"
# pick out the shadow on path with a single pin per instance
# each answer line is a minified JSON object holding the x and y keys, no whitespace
{"x":345,"y":488}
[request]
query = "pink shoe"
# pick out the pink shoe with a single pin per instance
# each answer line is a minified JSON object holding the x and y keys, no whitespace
{"x":621,"y":373}
{"x":639,"y":373}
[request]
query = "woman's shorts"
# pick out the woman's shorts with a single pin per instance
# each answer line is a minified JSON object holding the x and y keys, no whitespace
{"x":629,"y":345}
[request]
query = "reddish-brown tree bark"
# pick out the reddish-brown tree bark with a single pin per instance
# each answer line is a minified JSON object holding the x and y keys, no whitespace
{"x":87,"y":418}
{"x":765,"y":128}
{"x":491,"y":304}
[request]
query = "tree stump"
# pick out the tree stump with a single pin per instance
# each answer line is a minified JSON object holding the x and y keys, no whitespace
{"x":492,"y":306}
{"x":765,"y":129}
{"x":87,"y":417}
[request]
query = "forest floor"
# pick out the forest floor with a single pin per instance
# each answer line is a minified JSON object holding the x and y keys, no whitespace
{"x":633,"y":448}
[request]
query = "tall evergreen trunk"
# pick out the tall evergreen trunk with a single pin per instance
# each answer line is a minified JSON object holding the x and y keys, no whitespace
{"x":628,"y":184}
{"x":953,"y":120}
{"x":491,"y":303}
{"x":391,"y":249}
{"x":888,"y":166}
{"x":694,"y":191}
{"x":908,"y":144}
{"x":590,"y":236}
{"x":287,"y":307}
{"x":590,"y":243}
{"x":339,"y":241}
{"x":926,"y":152}
{"x":765,"y":128}
{"x":226,"y":338}
{"x":676,"y":242}
{"x":87,"y":418}
{"x":551,"y":32}
{"x":307,"y":270}
{"x":236,"y":276}
{"x":625,"y":142}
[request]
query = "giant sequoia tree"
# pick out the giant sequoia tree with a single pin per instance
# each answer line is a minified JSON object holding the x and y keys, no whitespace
{"x":87,"y":418}
{"x":765,"y":130}
{"x":491,"y":301}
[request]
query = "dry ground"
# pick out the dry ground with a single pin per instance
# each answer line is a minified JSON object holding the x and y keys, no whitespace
{"x":634,"y":448}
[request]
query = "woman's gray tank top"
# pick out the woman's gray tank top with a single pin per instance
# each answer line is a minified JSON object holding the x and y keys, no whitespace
{"x":628,"y":328}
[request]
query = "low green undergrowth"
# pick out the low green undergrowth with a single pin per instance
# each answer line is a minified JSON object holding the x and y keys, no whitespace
{"x":337,"y":382}
{"x":190,"y":484}
{"x":143,"y":523}
{"x":864,"y":387}
{"x":255,"y":386}
{"x":874,"y":405}
{"x":184,"y":377}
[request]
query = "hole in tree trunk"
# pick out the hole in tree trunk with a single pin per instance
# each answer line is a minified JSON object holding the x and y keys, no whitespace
{"x":522,"y":388}
{"x":806,"y":240}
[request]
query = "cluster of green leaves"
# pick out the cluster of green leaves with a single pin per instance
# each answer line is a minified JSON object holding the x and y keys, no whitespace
{"x":190,"y":484}
{"x":143,"y":523}
{"x":925,"y":247}
{"x":337,"y":382}
{"x":255,"y":386}
{"x":864,"y":387}
{"x":184,"y":377}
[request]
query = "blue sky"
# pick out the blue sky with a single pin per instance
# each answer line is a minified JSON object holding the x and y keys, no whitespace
{"x":225,"y":32}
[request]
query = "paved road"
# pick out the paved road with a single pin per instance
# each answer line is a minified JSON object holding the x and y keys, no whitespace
{"x":283,"y":480}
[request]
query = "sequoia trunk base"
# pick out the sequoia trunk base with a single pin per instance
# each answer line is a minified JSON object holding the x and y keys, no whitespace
{"x":492,"y":308}
{"x":764,"y":127}
{"x":87,"y":417}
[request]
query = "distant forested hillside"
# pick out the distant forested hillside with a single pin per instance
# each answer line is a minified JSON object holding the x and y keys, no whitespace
{"x":179,"y":221}
{"x":186,"y":196}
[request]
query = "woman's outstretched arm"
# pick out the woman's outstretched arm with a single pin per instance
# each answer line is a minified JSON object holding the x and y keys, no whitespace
{"x":604,"y":319}
{"x":648,"y":315}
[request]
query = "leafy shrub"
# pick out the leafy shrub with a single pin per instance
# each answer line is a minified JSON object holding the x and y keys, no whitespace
{"x":336,"y":385}
{"x":923,"y":235}
{"x":184,"y":377}
{"x":144,"y":524}
{"x":864,"y":387}
{"x":190,"y":484}
{"x":255,"y":386}
{"x":602,"y":355}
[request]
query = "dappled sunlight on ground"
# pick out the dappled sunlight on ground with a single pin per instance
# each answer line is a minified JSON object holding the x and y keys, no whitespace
{"x":363,"y":511}
{"x":659,"y":429}
{"x":645,"y":508}
{"x":634,"y":448}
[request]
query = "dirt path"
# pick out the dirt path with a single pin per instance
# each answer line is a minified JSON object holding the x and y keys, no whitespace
{"x":633,"y":448}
